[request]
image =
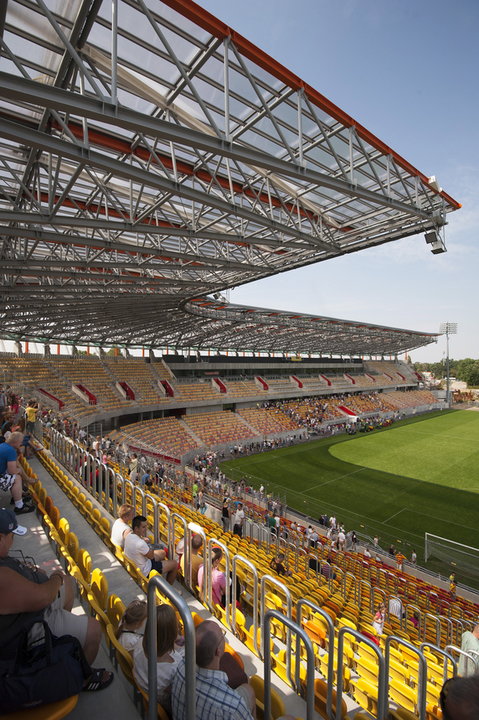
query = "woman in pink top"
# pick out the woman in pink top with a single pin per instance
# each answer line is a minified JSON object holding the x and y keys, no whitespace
{"x":218,"y":579}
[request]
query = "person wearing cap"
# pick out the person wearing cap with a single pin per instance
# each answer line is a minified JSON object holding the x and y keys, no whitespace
{"x":28,"y":597}
{"x":12,"y":473}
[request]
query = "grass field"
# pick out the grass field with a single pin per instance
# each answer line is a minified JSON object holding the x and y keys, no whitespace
{"x":420,"y":475}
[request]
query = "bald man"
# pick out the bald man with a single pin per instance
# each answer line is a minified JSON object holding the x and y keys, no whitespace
{"x":214,"y":697}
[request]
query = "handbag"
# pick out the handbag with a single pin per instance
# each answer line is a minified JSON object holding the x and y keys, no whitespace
{"x":44,"y":672}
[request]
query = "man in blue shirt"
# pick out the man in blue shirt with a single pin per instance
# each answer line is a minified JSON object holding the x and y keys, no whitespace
{"x":11,"y":472}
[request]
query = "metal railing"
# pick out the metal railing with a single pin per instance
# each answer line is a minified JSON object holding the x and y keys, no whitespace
{"x":158,"y":582}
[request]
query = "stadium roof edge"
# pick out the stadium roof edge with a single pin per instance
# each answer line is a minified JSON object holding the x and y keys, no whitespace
{"x":206,"y":20}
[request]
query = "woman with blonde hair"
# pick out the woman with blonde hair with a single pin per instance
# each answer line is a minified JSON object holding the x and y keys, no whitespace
{"x":132,"y":625}
{"x":167,"y":656}
{"x":122,"y":526}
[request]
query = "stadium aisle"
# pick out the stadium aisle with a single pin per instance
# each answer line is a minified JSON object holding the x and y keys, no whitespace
{"x":116,"y":700}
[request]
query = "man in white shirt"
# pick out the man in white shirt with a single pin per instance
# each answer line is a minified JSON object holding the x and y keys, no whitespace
{"x":145,"y":557}
{"x":395,"y":607}
{"x":470,"y":643}
{"x":238,"y":518}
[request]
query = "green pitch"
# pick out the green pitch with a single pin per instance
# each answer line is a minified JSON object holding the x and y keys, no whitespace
{"x":420,"y":475}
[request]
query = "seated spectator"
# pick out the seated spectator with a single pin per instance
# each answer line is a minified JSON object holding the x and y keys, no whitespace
{"x":28,"y":597}
{"x":277,"y":564}
{"x":395,"y":607}
{"x":218,"y":579}
{"x":459,"y":698}
{"x":12,"y":473}
{"x":214,"y":697}
{"x":167,"y":657}
{"x":144,"y":556}
{"x":195,"y":559}
{"x":122,"y":525}
{"x":132,"y":625}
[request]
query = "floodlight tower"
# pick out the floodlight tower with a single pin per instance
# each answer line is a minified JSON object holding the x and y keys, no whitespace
{"x":447,"y":329}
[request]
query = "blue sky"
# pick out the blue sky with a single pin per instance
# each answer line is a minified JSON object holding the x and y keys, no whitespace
{"x":408,"y":71}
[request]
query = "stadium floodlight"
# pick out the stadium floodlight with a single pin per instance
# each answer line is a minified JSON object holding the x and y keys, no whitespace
{"x":448,"y":328}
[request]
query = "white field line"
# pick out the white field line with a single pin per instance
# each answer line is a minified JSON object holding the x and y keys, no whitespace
{"x":340,"y":477}
{"x":393,"y":516}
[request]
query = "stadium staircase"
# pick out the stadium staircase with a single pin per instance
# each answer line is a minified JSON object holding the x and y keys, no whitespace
{"x":191,"y":432}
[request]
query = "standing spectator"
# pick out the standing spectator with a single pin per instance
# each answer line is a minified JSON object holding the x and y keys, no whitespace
{"x":225,"y":514}
{"x":354,"y":541}
{"x":133,"y":468}
{"x":379,"y":618}
{"x":452,"y":585}
{"x":470,"y":641}
{"x":313,"y":539}
{"x":238,"y":519}
{"x":31,"y":417}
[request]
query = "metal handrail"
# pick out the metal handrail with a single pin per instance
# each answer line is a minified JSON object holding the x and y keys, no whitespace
{"x":469,"y":655}
{"x":446,"y":655}
{"x":300,"y":633}
{"x":421,"y":688}
{"x":262,"y":609}
{"x":329,"y":622}
{"x":254,"y":571}
{"x":158,"y":582}
{"x":382,"y":671}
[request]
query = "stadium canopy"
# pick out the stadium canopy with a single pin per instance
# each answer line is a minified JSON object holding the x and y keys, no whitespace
{"x":150,"y":156}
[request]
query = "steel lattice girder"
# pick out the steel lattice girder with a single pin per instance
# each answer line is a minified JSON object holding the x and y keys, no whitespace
{"x":126,"y":191}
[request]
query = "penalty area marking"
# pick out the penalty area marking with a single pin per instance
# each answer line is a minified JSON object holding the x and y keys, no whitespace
{"x":393,"y":516}
{"x":339,"y":477}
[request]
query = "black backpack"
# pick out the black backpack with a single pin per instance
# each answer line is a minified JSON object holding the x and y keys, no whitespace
{"x":47,"y":671}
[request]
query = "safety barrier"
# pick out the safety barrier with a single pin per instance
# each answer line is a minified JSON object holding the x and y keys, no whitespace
{"x":159,"y":583}
{"x":300,"y":633}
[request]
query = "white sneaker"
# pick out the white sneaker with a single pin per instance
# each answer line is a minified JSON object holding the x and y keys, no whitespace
{"x":20,"y":530}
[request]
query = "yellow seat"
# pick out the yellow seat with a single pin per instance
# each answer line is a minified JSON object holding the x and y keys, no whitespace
{"x":115,"y":608}
{"x":365,"y":694}
{"x":99,"y":588}
{"x":161,"y":712}
{"x":402,"y":695}
{"x":401,"y":714}
{"x":277,"y":705}
{"x":320,"y":696}
{"x":51,"y":711}
{"x":122,"y":657}
{"x":63,"y":529}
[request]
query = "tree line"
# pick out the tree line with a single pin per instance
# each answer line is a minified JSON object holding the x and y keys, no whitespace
{"x":466,"y":370}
